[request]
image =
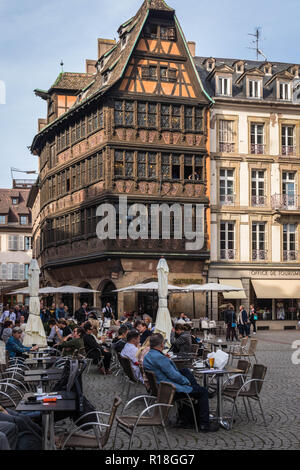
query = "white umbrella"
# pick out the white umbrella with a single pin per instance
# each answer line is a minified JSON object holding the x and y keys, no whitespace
{"x":43,"y":290}
{"x":163,"y":322}
{"x":34,"y":332}
{"x":73,"y":290}
{"x":149,"y":286}
{"x":211,"y":287}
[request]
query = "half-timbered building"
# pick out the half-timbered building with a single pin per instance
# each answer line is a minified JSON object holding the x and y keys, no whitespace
{"x":135,"y":125}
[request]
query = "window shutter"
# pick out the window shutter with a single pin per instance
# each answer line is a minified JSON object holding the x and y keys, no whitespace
{"x":21,"y":243}
{"x":3,"y":271}
{"x":9,"y":271}
{"x":21,"y":272}
{"x":10,"y":242}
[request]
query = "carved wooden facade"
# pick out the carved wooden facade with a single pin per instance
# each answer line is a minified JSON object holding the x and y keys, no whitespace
{"x":143,"y":136}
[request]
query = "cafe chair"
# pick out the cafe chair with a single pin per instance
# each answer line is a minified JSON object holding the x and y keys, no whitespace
{"x":236,"y":381}
{"x":235,"y":351}
{"x":250,"y":390}
{"x":182,"y":401}
{"x":93,"y":434}
{"x":251,"y":350}
{"x":128,"y":374}
{"x":153,"y":416}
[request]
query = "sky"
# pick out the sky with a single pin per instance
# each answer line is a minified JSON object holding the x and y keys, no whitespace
{"x":35,"y":35}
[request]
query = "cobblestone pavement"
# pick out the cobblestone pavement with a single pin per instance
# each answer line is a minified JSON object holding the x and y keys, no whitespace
{"x":280,"y":399}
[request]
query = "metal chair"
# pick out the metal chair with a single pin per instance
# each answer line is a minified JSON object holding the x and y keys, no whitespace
{"x":128,"y":374}
{"x":97,"y":439}
{"x":186,"y":401}
{"x":238,"y":349}
{"x":250,"y":390}
{"x":152,"y":416}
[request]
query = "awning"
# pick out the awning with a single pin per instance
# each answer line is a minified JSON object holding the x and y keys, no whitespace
{"x":233,"y":295}
{"x":277,"y":289}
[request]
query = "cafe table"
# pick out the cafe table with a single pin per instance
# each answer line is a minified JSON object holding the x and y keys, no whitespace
{"x":219,"y":374}
{"x":66,"y":404}
{"x":215,"y":344}
{"x":41,"y":361}
{"x":43,"y":377}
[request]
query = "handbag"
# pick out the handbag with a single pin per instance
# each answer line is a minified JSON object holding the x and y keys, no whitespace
{"x":233,"y":325}
{"x":255,"y":317}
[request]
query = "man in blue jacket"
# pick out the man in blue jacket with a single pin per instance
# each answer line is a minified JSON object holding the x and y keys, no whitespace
{"x":14,"y":347}
{"x":184,"y":381}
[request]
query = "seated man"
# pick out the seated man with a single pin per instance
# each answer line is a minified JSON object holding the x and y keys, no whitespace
{"x":130,"y":351}
{"x":95,"y":351}
{"x":120,"y":341}
{"x":14,"y":347}
{"x":73,"y":342}
{"x":183,"y":318}
{"x":166,"y":371}
{"x":142,"y":328}
{"x":181,"y":340}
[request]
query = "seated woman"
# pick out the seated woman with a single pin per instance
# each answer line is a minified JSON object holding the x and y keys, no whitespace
{"x":95,"y":351}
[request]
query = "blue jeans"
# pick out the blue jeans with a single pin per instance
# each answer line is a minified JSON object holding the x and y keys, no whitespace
{"x":200,"y":394}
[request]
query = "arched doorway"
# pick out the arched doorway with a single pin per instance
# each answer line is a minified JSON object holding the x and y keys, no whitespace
{"x":108,"y":296}
{"x":86,"y":297}
{"x":148,"y":301}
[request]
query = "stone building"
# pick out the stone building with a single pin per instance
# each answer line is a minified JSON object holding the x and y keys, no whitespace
{"x":255,"y":176}
{"x":15,"y":241}
{"x":135,"y":125}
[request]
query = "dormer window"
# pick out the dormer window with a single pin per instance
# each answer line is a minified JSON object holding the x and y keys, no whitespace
{"x":284,"y":91}
{"x":105,"y":78}
{"x":2,"y":219}
{"x":255,"y":88}
{"x":239,"y":67}
{"x":124,"y":41}
{"x":223,"y":86}
{"x":23,"y":220}
{"x":210,"y":64}
{"x":15,"y":201}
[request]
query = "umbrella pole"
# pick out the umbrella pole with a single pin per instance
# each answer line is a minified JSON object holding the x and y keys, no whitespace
{"x":211,"y":307}
{"x":194,"y":304}
{"x":153,"y":305}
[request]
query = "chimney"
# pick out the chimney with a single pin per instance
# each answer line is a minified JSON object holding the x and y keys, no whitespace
{"x":192,"y":48}
{"x":104,"y":45}
{"x":90,"y":66}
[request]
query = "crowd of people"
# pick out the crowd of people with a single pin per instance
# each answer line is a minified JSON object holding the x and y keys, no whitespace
{"x":241,"y":322}
{"x":131,"y":336}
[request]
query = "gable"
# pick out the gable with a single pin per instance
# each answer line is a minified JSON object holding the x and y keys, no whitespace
{"x":161,"y":65}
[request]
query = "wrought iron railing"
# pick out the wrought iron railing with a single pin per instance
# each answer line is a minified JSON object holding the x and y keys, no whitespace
{"x":259,"y":201}
{"x":259,"y":255}
{"x":228,"y":254}
{"x":285,"y":201}
{"x":227,"y":199}
{"x":290,"y":255}
{"x":258,"y":149}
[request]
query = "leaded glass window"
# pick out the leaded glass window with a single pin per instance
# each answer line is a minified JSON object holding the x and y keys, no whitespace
{"x":165,"y":116}
{"x":165,"y":165}
{"x":119,"y":163}
{"x":176,"y":114}
{"x":129,"y":163}
{"x":151,"y":165}
{"x":141,"y":165}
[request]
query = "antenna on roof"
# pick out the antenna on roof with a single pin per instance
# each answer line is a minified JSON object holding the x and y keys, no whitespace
{"x":62,"y":66}
{"x":256,"y":41}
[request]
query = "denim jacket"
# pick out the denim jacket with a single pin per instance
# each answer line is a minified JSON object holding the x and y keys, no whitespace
{"x":166,"y":371}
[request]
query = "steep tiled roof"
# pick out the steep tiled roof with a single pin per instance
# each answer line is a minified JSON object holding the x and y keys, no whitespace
{"x":72,"y":81}
{"x":13,"y":211}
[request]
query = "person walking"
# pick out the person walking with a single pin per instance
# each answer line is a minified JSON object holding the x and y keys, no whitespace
{"x":253,"y":318}
{"x":230,"y":320}
{"x":243,"y":322}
